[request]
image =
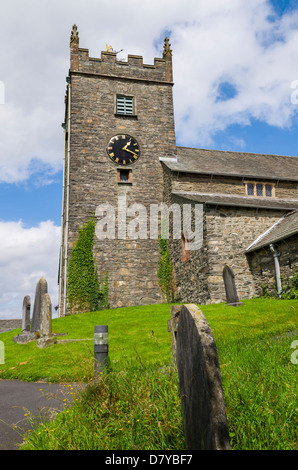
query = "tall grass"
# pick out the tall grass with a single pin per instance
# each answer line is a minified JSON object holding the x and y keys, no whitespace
{"x":130,"y":409}
{"x":260,"y":389}
{"x":136,"y":402}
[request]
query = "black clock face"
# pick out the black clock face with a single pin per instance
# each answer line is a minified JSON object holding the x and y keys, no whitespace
{"x":123,"y":149}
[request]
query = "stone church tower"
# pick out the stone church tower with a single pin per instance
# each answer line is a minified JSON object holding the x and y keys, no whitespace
{"x":119,"y":126}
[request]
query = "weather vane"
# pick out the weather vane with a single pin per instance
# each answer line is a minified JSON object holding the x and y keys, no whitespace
{"x":110,"y":49}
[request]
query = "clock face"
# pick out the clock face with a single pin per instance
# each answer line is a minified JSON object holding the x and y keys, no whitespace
{"x":123,"y":149}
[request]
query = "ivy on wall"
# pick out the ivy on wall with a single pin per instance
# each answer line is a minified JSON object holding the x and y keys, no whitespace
{"x":289,"y":288}
{"x":165,"y":276}
{"x":84,"y":290}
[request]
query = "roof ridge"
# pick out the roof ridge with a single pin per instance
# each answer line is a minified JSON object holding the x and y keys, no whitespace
{"x":239,"y":196}
{"x":237,"y":152}
{"x":259,"y":238}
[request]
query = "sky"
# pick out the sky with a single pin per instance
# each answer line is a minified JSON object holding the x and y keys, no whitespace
{"x":236,"y":88}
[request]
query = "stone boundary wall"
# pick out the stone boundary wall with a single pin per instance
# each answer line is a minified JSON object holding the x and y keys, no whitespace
{"x":7,"y":325}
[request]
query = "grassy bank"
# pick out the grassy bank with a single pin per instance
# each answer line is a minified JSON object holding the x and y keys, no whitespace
{"x":136,"y":404}
{"x":139,"y":332}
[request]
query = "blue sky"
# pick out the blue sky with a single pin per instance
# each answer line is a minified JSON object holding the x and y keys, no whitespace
{"x":234,"y":63}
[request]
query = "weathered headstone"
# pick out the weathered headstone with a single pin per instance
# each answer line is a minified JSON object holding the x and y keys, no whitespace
{"x":202,"y":399}
{"x":46,"y":338}
{"x":230,"y":287}
{"x":26,"y":313}
{"x":26,"y":336}
{"x":41,"y":289}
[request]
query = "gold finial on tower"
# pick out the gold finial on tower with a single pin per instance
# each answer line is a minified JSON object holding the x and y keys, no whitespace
{"x":167,"y":52}
{"x":74,"y":37}
{"x":109,"y":48}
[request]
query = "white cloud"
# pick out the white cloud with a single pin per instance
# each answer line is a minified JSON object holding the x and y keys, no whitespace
{"x":26,"y":254}
{"x":214,"y":41}
{"x":248,"y":47}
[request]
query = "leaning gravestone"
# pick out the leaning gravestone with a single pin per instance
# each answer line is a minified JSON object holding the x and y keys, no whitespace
{"x":26,"y":313}
{"x":46,"y":338}
{"x":41,"y":289}
{"x":230,"y":287}
{"x":202,"y":400}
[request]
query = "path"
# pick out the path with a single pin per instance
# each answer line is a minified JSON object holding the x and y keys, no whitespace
{"x":18,"y":398}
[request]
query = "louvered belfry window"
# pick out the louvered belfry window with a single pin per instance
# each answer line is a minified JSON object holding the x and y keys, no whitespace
{"x":124,"y":105}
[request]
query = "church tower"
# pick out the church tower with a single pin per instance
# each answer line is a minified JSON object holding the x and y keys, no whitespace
{"x":119,"y":126}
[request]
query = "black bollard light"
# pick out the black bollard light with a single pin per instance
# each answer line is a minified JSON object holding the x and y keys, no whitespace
{"x":101,"y":348}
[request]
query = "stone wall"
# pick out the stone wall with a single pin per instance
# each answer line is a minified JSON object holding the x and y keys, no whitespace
{"x":262,"y":264}
{"x":227,"y":232}
{"x":7,"y":325}
{"x":228,"y":185}
{"x":190,"y":269}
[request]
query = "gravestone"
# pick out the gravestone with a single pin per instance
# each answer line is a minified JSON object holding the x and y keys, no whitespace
{"x":202,"y":399}
{"x":26,"y":336}
{"x":41,"y":289}
{"x":230,"y":287}
{"x":26,"y":313}
{"x":46,"y":338}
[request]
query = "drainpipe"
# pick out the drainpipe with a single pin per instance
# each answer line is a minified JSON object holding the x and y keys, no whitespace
{"x":276,"y":255}
{"x":67,"y":202}
{"x":62,"y":229}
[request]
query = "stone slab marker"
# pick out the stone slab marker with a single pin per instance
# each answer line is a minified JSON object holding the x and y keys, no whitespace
{"x":26,"y":336}
{"x":46,"y":338}
{"x":41,"y":289}
{"x":26,"y":313}
{"x":202,"y":400}
{"x":230,"y":287}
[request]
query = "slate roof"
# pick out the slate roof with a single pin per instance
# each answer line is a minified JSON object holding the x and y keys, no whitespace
{"x":284,"y":228}
{"x":248,"y":165}
{"x":241,"y":201}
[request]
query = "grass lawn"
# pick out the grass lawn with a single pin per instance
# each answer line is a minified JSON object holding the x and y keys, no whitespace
{"x":139,"y":396}
{"x":138,"y":333}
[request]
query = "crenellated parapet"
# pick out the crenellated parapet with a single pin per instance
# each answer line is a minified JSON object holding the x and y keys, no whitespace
{"x":109,"y":65}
